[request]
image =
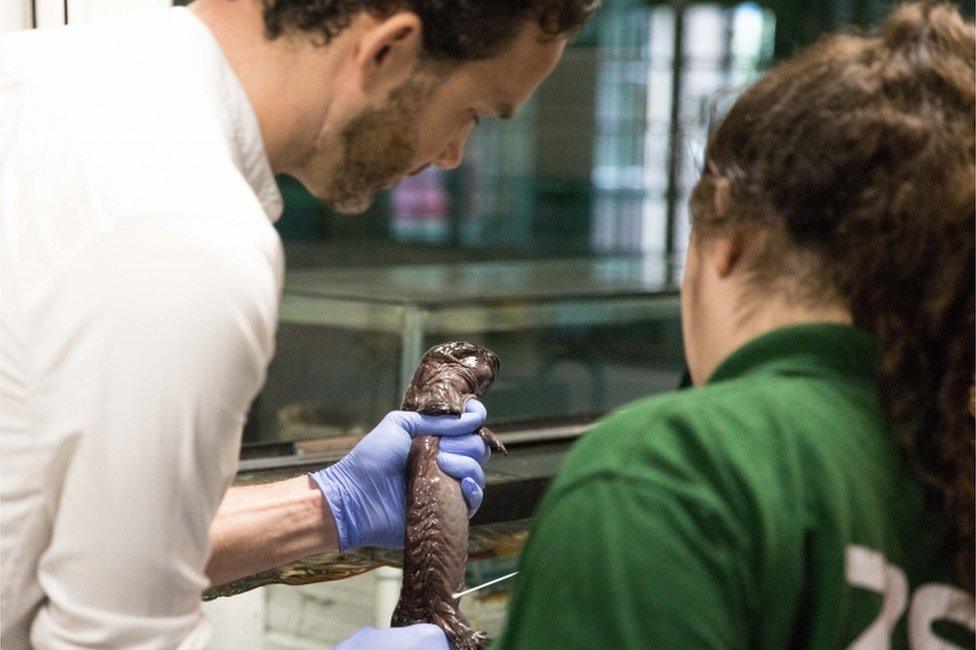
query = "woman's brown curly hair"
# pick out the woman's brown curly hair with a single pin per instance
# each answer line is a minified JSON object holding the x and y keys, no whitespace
{"x":858,"y":156}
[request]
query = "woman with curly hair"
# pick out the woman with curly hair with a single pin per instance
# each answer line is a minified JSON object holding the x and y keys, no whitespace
{"x":815,"y":487}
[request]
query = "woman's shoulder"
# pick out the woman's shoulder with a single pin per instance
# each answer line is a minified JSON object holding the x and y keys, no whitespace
{"x":738,"y":436}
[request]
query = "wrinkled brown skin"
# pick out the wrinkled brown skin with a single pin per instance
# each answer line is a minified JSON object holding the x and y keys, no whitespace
{"x":436,"y":546}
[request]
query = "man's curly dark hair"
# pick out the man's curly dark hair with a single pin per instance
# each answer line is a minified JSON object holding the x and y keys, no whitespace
{"x":460,"y":30}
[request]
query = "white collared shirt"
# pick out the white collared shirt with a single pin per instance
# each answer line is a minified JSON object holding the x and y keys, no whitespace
{"x":139,"y":279}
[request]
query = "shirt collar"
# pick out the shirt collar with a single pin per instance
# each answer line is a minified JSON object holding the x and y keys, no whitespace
{"x":843,"y":349}
{"x":244,"y":131}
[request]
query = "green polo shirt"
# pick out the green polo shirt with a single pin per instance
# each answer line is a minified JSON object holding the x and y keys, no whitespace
{"x":768,"y":508}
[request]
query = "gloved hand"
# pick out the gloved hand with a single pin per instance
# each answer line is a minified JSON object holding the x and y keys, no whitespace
{"x":422,"y":636}
{"x":366,"y":489}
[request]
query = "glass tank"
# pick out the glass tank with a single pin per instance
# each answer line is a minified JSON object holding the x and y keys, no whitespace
{"x":576,"y":338}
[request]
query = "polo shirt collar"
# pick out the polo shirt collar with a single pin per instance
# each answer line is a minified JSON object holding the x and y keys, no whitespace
{"x":820,"y":347}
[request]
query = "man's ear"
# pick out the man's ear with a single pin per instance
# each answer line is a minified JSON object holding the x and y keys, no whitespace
{"x":389,"y":50}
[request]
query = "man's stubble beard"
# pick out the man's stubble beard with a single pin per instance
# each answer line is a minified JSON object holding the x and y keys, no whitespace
{"x":378,"y":146}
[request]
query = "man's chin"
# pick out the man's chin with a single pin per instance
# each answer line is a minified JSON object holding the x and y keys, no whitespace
{"x":350,"y":204}
{"x":350,"y":207}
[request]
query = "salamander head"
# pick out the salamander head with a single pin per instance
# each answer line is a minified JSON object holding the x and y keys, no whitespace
{"x":448,"y":375}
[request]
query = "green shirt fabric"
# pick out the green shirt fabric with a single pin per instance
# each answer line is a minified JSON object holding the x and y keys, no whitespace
{"x":768,"y":508}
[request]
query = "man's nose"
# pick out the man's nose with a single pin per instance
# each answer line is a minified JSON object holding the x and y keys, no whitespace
{"x":450,"y":157}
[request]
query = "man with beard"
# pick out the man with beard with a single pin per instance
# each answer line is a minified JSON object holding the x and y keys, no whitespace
{"x":141,"y":276}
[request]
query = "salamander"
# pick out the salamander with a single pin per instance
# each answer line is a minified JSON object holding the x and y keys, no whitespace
{"x":436,"y":544}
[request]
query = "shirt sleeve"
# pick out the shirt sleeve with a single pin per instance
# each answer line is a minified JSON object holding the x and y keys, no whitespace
{"x":615,"y":562}
{"x":154,"y":341}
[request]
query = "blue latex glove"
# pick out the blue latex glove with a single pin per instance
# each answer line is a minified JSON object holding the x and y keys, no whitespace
{"x":366,"y":490}
{"x":422,"y":636}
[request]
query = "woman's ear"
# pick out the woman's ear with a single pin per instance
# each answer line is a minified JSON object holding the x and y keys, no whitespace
{"x":726,"y":251}
{"x":721,"y":196}
{"x":389,"y":50}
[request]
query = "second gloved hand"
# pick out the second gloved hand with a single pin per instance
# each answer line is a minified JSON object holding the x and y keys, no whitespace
{"x":422,"y":636}
{"x":366,"y":490}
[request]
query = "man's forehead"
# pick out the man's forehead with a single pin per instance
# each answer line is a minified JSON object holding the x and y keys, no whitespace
{"x":512,"y":75}
{"x":534,"y":42}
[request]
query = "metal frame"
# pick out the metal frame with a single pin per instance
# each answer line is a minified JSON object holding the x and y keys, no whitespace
{"x":413,"y":322}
